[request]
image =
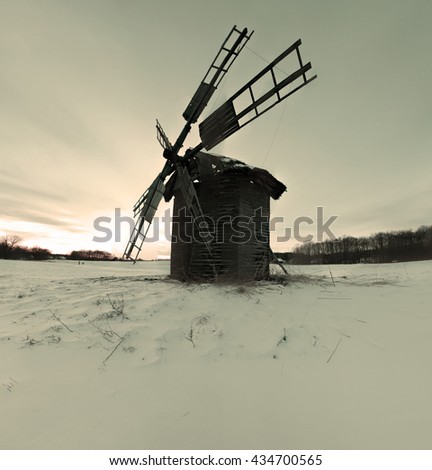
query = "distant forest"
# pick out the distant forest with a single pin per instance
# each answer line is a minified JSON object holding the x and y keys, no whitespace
{"x":382,"y":247}
{"x":10,"y":248}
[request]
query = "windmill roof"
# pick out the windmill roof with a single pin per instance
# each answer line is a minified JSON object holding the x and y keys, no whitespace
{"x":208,"y":166}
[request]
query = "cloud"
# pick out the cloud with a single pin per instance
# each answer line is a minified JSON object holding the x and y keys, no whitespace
{"x":23,"y":192}
{"x":399,"y":208}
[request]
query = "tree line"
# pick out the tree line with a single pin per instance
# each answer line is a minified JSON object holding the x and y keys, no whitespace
{"x":10,"y":248}
{"x":91,"y":255}
{"x":382,"y":247}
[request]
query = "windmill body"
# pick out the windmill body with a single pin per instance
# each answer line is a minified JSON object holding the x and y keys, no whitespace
{"x":221,"y":205}
{"x":235,"y":203}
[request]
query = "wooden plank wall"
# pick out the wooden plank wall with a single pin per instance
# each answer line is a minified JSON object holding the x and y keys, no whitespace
{"x":238,"y":251}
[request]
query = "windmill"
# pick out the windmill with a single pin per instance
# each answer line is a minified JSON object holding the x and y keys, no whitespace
{"x":202,"y":256}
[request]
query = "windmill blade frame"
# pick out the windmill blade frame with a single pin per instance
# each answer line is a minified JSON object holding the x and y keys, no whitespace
{"x":214,"y":75}
{"x":227,"y":54}
{"x":162,"y":137}
{"x":144,"y":210}
{"x":233,"y":115}
{"x":192,"y":203}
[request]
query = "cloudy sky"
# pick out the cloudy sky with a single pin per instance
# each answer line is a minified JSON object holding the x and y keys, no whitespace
{"x":82,"y":82}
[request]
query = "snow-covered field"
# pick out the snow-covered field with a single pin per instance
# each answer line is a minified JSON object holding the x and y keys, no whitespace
{"x":116,"y":356}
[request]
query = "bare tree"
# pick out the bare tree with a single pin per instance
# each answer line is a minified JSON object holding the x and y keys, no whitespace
{"x":8,"y":243}
{"x":10,"y":240}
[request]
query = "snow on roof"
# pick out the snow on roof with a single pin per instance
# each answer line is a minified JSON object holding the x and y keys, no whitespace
{"x":205,"y":166}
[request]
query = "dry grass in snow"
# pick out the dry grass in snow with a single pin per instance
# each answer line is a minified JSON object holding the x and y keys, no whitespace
{"x":115,"y":356}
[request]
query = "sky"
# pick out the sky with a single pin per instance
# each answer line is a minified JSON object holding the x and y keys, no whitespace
{"x":82,"y":83}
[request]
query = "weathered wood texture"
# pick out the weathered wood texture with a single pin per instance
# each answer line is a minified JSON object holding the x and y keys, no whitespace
{"x":237,"y":212}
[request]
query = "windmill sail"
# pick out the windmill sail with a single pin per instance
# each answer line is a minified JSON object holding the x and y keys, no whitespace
{"x":144,"y":211}
{"x":162,"y":137}
{"x":228,"y":52}
{"x":190,"y":197}
{"x":245,"y":106}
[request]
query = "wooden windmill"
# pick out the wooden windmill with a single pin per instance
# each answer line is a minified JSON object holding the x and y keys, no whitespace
{"x":208,"y":189}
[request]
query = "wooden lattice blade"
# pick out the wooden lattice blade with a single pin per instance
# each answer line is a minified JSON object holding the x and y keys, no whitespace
{"x":226,"y":56}
{"x":144,"y":211}
{"x":162,"y":137}
{"x":246,"y":105}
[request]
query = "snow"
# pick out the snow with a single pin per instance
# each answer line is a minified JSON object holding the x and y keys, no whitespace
{"x":110,"y":355}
